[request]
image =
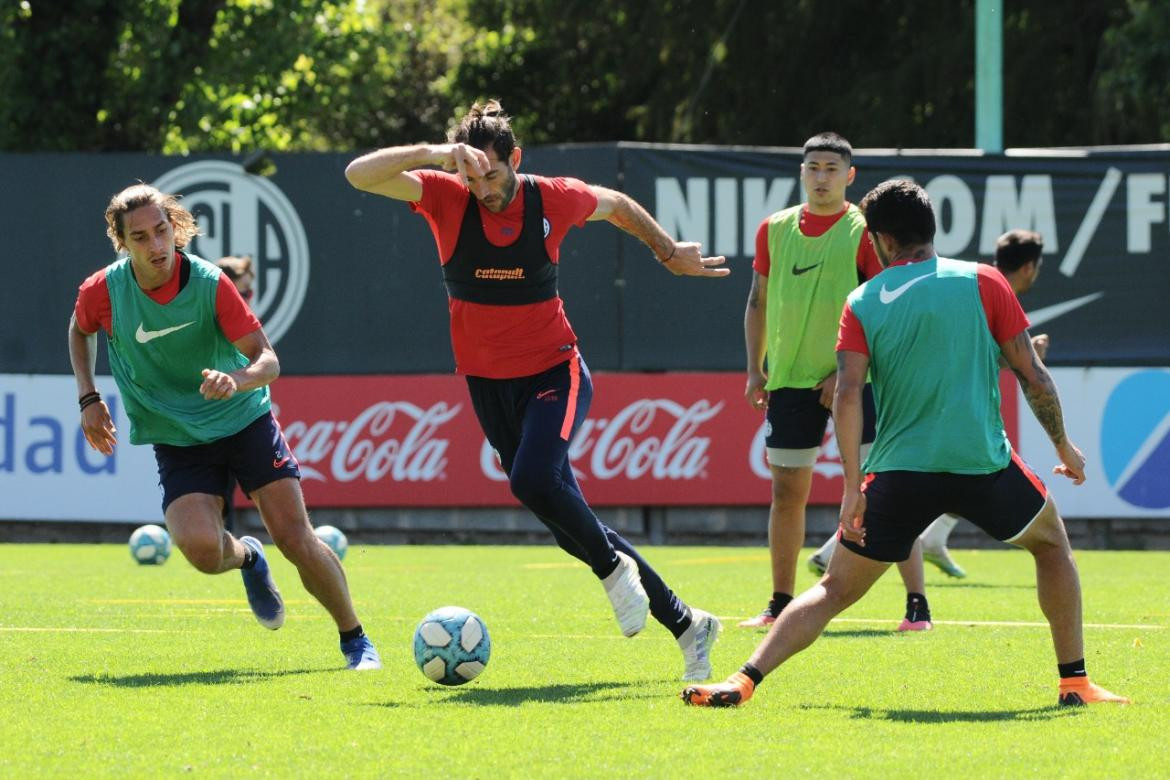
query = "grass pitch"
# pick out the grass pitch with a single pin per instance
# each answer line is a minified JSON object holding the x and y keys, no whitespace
{"x":110,"y":668}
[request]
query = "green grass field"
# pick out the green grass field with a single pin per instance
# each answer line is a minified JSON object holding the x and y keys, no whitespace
{"x":109,"y":668}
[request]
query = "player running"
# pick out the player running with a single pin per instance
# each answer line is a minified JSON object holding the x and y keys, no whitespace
{"x":930,"y":331}
{"x":193,"y":367}
{"x":499,"y":236}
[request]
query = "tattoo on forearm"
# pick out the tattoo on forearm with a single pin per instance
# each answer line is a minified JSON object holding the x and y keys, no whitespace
{"x":635,"y":220}
{"x":1043,"y":399}
{"x":754,"y":294}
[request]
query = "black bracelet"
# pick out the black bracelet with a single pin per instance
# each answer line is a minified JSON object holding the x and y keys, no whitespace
{"x":666,"y":260}
{"x":89,"y":399}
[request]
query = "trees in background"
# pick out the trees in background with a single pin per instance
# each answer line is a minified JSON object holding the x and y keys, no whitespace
{"x":198,"y":75}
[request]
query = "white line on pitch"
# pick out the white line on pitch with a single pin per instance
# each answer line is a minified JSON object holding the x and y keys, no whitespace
{"x":71,"y":629}
{"x":1005,"y":623}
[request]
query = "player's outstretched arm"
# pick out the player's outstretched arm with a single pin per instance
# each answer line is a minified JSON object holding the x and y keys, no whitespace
{"x":681,"y":258}
{"x":96,"y":423}
{"x":388,"y":171}
{"x":1040,"y":392}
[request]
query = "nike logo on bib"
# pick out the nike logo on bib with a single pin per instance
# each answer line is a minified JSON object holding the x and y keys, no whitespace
{"x":798,"y":271}
{"x":143,"y":335}
{"x":889,"y":296}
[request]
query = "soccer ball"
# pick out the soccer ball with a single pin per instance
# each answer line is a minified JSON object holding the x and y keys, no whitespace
{"x":451,"y":646}
{"x":150,"y":544}
{"x":334,"y":538}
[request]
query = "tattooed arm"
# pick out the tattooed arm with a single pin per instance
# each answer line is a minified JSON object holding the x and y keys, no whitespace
{"x":681,"y":258}
{"x":1040,"y":392}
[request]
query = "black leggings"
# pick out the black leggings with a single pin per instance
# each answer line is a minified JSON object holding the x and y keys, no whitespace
{"x":530,"y":422}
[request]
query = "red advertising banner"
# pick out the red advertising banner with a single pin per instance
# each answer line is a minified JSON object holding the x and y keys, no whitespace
{"x":650,"y":439}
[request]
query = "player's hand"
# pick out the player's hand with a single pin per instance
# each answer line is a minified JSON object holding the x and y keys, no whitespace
{"x":755,"y":393}
{"x":217,"y":386}
{"x":98,"y":427}
{"x":465,"y":159}
{"x":852,"y":516}
{"x":1040,"y":344}
{"x":1072,"y":462}
{"x":827,"y":386}
{"x":687,"y":260}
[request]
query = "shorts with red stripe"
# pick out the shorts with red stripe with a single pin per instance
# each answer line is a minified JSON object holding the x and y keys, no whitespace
{"x":901,"y":504}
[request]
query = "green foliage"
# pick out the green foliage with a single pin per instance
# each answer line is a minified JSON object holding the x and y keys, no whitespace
{"x":200,"y":75}
{"x":113,"y":669}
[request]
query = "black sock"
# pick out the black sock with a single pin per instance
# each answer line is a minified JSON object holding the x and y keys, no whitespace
{"x":916,"y":607}
{"x":752,"y":673}
{"x":250,"y":557}
{"x":611,"y":569}
{"x":778,"y":603}
{"x":1073,"y":669}
{"x":353,"y":633}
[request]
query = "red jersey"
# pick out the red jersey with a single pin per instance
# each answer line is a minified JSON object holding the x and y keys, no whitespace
{"x":94,"y":312}
{"x":503,"y":342}
{"x":813,"y":225}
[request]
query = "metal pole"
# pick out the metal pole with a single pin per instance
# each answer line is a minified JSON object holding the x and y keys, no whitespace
{"x":989,"y":75}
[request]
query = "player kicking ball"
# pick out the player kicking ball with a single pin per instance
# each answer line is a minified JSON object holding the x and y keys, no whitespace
{"x":902,"y":327}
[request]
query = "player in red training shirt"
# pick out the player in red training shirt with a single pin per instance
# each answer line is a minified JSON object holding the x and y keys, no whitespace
{"x":499,"y":237}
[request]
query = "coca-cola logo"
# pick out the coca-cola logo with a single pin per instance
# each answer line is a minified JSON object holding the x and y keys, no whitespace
{"x":828,"y":465}
{"x":388,"y":438}
{"x":651,"y":437}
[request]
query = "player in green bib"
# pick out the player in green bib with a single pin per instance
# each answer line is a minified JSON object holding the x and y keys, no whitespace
{"x":930,"y":331}
{"x":192,"y":366}
{"x":808,"y":258}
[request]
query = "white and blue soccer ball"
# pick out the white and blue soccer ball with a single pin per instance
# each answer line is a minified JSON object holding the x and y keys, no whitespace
{"x":334,"y":538}
{"x":150,"y":545}
{"x":452,"y":646}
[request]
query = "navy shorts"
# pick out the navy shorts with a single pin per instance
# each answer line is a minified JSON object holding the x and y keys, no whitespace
{"x":255,"y":456}
{"x":797,"y":421}
{"x":899,"y":505}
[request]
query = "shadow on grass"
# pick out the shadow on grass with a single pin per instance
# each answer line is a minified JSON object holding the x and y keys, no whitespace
{"x":217,"y":677}
{"x":949,"y":716}
{"x":565,"y":693}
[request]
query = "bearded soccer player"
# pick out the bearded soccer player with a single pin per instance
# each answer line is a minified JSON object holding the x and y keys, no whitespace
{"x":193,"y":367}
{"x":930,"y":331}
{"x":499,"y":237}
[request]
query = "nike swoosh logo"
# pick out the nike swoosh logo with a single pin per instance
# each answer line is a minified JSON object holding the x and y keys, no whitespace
{"x":796,"y":271}
{"x":543,"y":393}
{"x":278,"y":463}
{"x":1049,"y":313}
{"x":144,"y":336}
{"x":889,"y":296}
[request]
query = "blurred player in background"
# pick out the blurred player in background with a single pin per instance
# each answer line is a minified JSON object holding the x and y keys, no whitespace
{"x":1018,"y":257}
{"x":193,"y":367}
{"x":499,"y":236}
{"x":941,"y":446}
{"x":808,"y":258}
{"x":239,"y":270}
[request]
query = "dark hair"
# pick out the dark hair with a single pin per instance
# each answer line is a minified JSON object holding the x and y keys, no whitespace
{"x":830,"y":142}
{"x":1017,"y":248}
{"x":485,"y":126}
{"x":900,"y":209}
{"x":235,"y":266}
{"x":138,"y":195}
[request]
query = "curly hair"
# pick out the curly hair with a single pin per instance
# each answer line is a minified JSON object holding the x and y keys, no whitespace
{"x":486,"y":125}
{"x":139,"y":195}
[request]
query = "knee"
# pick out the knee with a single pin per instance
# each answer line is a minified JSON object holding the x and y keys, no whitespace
{"x":532,"y":487}
{"x":297,"y":544}
{"x":838,"y":594}
{"x":205,"y":553}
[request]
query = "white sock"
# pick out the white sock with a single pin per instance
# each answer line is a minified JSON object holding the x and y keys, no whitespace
{"x":936,"y":534}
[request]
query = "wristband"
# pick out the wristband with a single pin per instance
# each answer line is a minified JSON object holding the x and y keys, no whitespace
{"x":89,"y":399}
{"x":666,"y":259}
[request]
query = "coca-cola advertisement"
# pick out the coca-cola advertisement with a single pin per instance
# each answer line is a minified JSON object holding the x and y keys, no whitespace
{"x":650,"y":439}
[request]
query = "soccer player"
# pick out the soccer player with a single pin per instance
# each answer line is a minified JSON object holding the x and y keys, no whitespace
{"x":498,"y":237}
{"x":237,"y":268}
{"x":1018,"y":257}
{"x":193,"y":367}
{"x":930,"y":330}
{"x":808,"y":258}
